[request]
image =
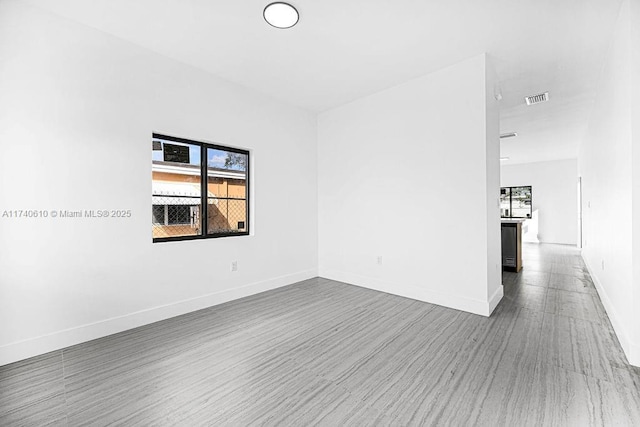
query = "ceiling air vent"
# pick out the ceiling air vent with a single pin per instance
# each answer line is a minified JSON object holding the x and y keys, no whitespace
{"x":536,"y":99}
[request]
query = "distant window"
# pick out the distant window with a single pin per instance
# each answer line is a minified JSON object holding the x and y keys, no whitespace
{"x":179,"y":214}
{"x":199,"y":190}
{"x":175,"y":215}
{"x":515,"y":202}
{"x":159,"y":214}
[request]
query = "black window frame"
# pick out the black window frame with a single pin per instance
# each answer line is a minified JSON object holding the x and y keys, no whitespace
{"x":511,"y":202}
{"x":204,"y":193}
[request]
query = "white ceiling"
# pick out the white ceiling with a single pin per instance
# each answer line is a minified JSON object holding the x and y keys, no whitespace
{"x":344,"y":49}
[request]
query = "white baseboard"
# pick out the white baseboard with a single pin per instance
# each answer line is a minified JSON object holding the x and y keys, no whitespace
{"x":483,"y":308}
{"x":631,"y":349}
{"x":549,"y":243}
{"x":25,"y":349}
{"x":496,"y":298}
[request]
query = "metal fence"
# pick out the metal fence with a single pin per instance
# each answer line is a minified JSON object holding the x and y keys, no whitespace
{"x":226,"y":215}
{"x":180,"y":215}
{"x":175,"y":215}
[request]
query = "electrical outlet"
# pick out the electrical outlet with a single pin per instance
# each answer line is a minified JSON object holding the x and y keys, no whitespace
{"x":234,"y":265}
{"x":379,"y":259}
{"x":603,"y":264}
{"x":589,"y":204}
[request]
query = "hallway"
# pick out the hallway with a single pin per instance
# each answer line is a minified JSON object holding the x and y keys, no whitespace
{"x":576,"y":340}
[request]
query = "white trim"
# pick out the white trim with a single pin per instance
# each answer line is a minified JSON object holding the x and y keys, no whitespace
{"x":195,"y":171}
{"x":496,"y":298}
{"x":178,"y":193}
{"x":175,"y":188}
{"x":24,"y":349}
{"x":182,"y":170}
{"x":631,"y":349}
{"x":470,"y":305}
{"x":226,"y":174}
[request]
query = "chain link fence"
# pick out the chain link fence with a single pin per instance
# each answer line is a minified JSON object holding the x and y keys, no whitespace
{"x":226,"y":215}
{"x":175,"y":216}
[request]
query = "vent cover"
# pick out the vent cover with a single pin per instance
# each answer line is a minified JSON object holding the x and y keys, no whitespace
{"x":536,"y":99}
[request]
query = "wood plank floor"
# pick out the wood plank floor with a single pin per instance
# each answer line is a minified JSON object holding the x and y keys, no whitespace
{"x":321,"y":352}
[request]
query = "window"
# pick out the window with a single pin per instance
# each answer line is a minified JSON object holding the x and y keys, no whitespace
{"x":159,"y":216}
{"x":515,"y":202}
{"x":199,"y":190}
{"x":180,"y":214}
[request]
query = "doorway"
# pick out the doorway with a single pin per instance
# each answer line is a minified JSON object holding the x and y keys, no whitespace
{"x":580,"y":212}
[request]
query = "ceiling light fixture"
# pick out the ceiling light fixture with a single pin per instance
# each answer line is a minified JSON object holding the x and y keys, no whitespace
{"x":280,"y":15}
{"x":508,"y":135}
{"x":504,"y":158}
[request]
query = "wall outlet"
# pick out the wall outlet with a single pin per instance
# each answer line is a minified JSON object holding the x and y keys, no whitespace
{"x":589,"y":204}
{"x":603,"y":264}
{"x":234,"y":265}
{"x":379,"y":259}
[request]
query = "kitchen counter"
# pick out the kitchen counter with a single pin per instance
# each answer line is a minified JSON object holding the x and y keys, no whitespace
{"x":513,"y":220}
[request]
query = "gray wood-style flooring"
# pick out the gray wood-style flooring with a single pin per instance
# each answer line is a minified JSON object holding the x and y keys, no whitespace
{"x":321,"y":352}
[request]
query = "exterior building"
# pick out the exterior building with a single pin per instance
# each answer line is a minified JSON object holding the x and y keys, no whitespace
{"x":176,"y":193}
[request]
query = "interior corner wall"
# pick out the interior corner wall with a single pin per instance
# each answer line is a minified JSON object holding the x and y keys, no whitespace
{"x":492,"y":159}
{"x":403,"y":199}
{"x":77,"y":111}
{"x":555,"y":199}
{"x":634,"y":95}
{"x":609,"y":167}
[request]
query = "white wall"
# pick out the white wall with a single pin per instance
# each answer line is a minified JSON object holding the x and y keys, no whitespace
{"x":398,"y":176}
{"x":555,"y":199}
{"x":610,"y":200}
{"x":492,"y":189}
{"x":77,"y":111}
{"x":634,"y":95}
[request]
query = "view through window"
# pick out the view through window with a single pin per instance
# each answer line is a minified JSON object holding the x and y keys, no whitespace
{"x":199,"y":190}
{"x":515,"y":202}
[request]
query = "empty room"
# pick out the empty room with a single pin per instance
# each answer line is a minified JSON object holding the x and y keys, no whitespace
{"x":232,"y":213}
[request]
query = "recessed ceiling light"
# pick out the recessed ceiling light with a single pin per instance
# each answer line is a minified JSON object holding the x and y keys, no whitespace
{"x":504,"y":158}
{"x":281,"y":15}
